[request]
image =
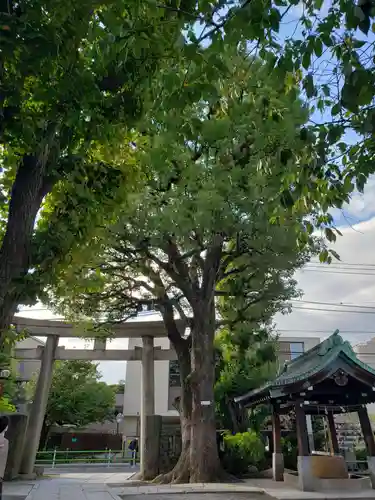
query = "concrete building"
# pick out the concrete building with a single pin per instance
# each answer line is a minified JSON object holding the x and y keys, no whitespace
{"x":26,"y":369}
{"x":167,"y":380}
{"x":366,"y":353}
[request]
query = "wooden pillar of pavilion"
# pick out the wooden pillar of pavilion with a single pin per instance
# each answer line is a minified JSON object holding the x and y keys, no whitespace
{"x":367,"y":431}
{"x":301,"y":427}
{"x":368,"y":436}
{"x":277,"y":455}
{"x":333,"y":441}
{"x":306,"y":479}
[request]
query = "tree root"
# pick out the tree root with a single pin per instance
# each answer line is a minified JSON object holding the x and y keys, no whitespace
{"x":181,"y":474}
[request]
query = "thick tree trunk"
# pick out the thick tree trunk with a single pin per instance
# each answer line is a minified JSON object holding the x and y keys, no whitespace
{"x":181,"y":471}
{"x":28,"y":191}
{"x":205,"y":464}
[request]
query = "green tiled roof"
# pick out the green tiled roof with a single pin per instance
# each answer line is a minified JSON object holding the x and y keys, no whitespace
{"x":310,"y":363}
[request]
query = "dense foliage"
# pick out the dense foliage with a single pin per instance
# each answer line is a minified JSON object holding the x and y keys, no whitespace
{"x":238,"y":372}
{"x":73,"y":81}
{"x":241,"y":451}
{"x":10,"y":387}
{"x":77,"y":397}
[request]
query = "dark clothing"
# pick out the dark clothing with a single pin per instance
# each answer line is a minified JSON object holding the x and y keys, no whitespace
{"x":133,"y":446}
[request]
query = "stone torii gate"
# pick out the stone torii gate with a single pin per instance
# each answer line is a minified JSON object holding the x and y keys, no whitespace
{"x":147,"y":354}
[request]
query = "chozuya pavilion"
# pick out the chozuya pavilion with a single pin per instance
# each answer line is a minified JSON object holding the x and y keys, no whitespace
{"x":328,"y":380}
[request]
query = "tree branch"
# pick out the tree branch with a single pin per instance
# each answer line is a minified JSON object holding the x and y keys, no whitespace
{"x":211,"y":266}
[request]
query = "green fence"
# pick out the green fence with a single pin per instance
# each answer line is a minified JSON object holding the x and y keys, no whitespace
{"x":54,"y":458}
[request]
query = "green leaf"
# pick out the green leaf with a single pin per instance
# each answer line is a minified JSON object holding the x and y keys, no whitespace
{"x":274,"y":18}
{"x":335,"y":132}
{"x":318,"y":47}
{"x":306,"y":59}
{"x":360,"y":182}
{"x":326,"y":90}
{"x":308,"y":85}
{"x":336,"y":109}
{"x":286,"y":199}
{"x":358,"y":44}
{"x":334,"y":253}
{"x":323,"y":256}
{"x":330,"y":235}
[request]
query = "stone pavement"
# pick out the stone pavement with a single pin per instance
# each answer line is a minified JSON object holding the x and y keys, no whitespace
{"x":111,"y":485}
{"x":262,"y":489}
{"x":71,"y":485}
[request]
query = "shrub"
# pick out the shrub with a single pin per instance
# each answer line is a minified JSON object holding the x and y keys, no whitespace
{"x":242,"y":450}
{"x":289,"y":448}
{"x":361,"y":454}
{"x":6,"y":406}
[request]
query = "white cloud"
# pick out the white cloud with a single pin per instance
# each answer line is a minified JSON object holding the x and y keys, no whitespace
{"x":338,"y":285}
{"x":361,"y":207}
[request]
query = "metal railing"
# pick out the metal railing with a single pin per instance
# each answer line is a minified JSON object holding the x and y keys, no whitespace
{"x":108,"y":458}
{"x":358,"y":467}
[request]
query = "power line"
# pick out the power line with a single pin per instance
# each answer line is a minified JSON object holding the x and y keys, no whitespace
{"x":335,"y":305}
{"x":328,"y":271}
{"x":340,"y":264}
{"x":332,"y":310}
{"x":302,"y":330}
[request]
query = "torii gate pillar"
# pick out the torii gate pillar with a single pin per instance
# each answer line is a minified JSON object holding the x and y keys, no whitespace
{"x":148,"y":453}
{"x":39,"y":406}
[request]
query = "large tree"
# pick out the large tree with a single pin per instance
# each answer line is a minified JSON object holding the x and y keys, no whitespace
{"x":213,"y":183}
{"x":73,"y":78}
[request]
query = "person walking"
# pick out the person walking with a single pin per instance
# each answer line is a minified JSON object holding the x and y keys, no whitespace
{"x":133,"y":447}
{"x":4,"y":446}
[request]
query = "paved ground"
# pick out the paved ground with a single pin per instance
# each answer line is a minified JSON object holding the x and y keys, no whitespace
{"x":192,"y":496}
{"x":110,"y":485}
{"x":67,"y":485}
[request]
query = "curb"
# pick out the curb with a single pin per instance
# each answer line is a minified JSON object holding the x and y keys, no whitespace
{"x":186,"y":490}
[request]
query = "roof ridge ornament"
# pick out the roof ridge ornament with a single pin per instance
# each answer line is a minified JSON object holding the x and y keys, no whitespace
{"x":334,"y":340}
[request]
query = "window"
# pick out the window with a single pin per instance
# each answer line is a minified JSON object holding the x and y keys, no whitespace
{"x":174,"y":374}
{"x":296,"y":349}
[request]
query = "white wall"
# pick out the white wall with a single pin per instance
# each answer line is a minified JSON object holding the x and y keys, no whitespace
{"x":26,"y":368}
{"x":366,"y":353}
{"x":132,"y":396}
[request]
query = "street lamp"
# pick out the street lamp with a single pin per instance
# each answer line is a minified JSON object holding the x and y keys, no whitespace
{"x":119,"y":419}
